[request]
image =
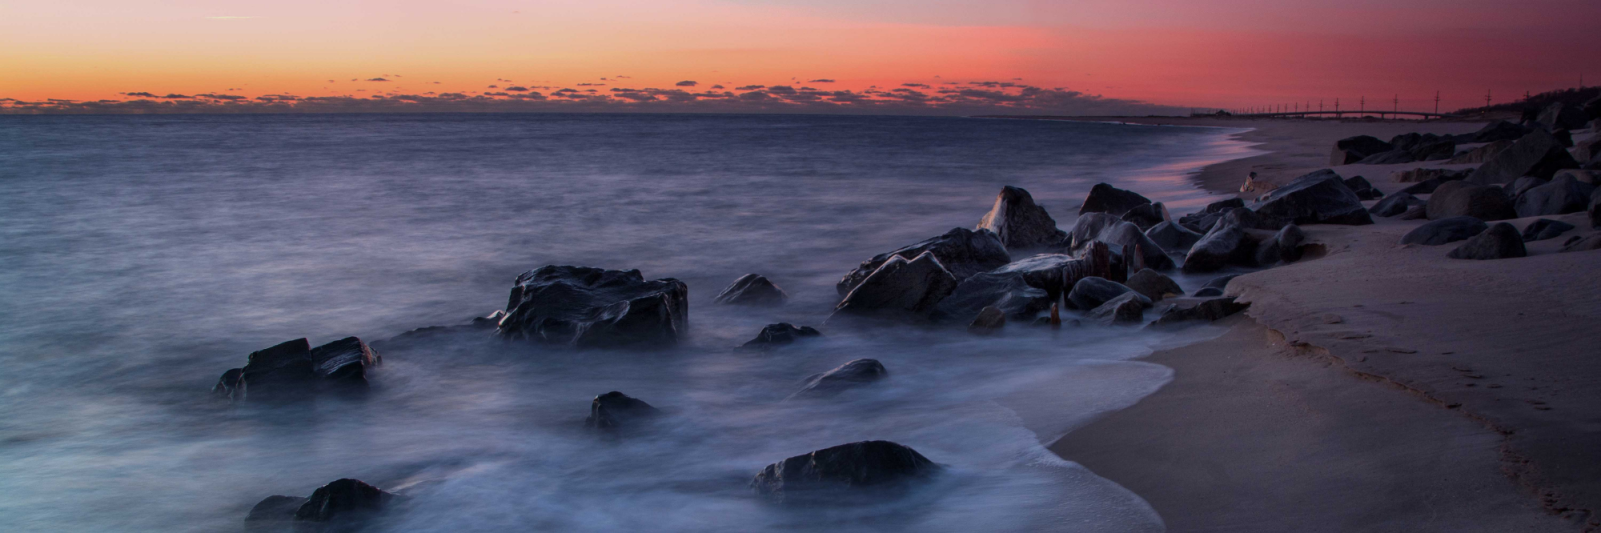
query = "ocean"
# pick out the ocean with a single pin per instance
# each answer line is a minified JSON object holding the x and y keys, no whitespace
{"x":142,"y":256}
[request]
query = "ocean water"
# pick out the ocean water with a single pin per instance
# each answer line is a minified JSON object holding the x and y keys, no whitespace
{"x":140,"y":257}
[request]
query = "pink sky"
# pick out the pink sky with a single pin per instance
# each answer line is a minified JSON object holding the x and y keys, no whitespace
{"x":1222,"y":53}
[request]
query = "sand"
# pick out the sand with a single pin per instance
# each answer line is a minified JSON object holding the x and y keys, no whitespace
{"x":1410,"y":392}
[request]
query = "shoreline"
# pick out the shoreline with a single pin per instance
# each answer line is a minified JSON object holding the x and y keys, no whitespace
{"x":1343,"y":401}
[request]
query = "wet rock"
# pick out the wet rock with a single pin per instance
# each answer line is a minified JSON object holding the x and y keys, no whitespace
{"x":1543,"y":229}
{"x":1480,"y":154}
{"x":1449,"y":229}
{"x":490,"y":321}
{"x":1353,"y":149}
{"x":989,"y":320}
{"x":1010,"y":292}
{"x":1102,"y":227}
{"x":1044,"y":271}
{"x":294,"y":371}
{"x":1128,"y":308}
{"x":595,"y":308}
{"x":1091,"y":292}
{"x":751,"y":289}
{"x":344,"y":499}
{"x":1362,"y":188}
{"x":961,"y":251}
{"x":1226,"y":244}
{"x":1153,"y":284}
{"x":615,"y":410}
{"x":1206,"y":311}
{"x":1216,"y":286}
{"x":1559,"y":197}
{"x":1460,"y":198}
{"x":1559,"y":116}
{"x":900,"y":289}
{"x":1317,"y":198}
{"x":844,"y":474}
{"x":1111,"y":200}
{"x":1147,"y":215}
{"x":844,"y":377}
{"x":1537,"y":154}
{"x":273,"y":513}
{"x":1284,"y":247}
{"x":1501,"y":241}
{"x":1172,"y":237}
{"x":1202,"y":221}
{"x":1395,"y":204}
{"x":1019,"y":222}
{"x":780,"y":334}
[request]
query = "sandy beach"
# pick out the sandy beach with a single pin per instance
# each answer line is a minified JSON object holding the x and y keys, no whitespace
{"x":1378,"y":388}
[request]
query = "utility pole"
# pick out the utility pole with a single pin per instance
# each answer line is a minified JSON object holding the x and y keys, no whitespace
{"x":1361,"y":106}
{"x":1436,"y":102}
{"x":1337,"y":114}
{"x":1487,"y":100}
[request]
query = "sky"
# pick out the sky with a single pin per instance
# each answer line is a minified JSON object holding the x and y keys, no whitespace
{"x":893,"y":56}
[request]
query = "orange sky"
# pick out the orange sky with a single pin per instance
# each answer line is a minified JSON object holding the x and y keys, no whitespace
{"x":1222,"y":53}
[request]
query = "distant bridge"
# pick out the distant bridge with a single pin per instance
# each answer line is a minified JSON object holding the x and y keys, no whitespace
{"x":1342,"y":114}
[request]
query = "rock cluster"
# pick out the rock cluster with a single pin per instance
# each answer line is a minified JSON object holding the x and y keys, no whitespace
{"x":293,"y":370}
{"x":595,"y":308}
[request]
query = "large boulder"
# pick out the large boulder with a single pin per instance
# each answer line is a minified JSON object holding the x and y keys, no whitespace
{"x":780,"y":334}
{"x":615,"y":410}
{"x":1146,"y":215}
{"x":844,"y":474}
{"x":1206,"y":311}
{"x":1172,"y":237}
{"x":1460,"y":198}
{"x":1226,"y":244}
{"x":1201,"y":221}
{"x":1545,"y":228}
{"x":1499,"y":130}
{"x":844,"y":377}
{"x":1559,"y":116}
{"x":1499,"y":242}
{"x":595,"y":308}
{"x":1395,"y":204}
{"x":1536,"y":154}
{"x":1559,"y":197}
{"x":1283,"y":247}
{"x":1425,"y":146}
{"x":1044,"y":271}
{"x":1588,"y":149}
{"x":1153,"y":284}
{"x":1317,"y":198}
{"x":1117,"y":234}
{"x":963,"y":252}
{"x":1353,"y":149}
{"x":1111,"y":200}
{"x":1128,"y":308}
{"x":1092,"y":291}
{"x":1522,"y":185}
{"x":1449,"y":229}
{"x":1019,"y":222}
{"x":1010,"y":292}
{"x":294,"y":370}
{"x":1429,"y":179}
{"x":345,"y":502}
{"x":1480,"y":154}
{"x":900,"y":289}
{"x":1363,"y":189}
{"x":751,"y":289}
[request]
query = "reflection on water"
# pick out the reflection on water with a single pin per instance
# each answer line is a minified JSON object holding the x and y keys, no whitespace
{"x":143,"y":256}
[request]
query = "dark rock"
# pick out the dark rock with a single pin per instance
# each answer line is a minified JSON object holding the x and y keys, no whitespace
{"x":844,"y":474}
{"x":1010,"y":292}
{"x":272,"y":511}
{"x":1499,"y":242}
{"x":1559,"y":197}
{"x":1587,"y":150}
{"x":847,"y":376}
{"x":1563,"y":137}
{"x":1353,"y":149}
{"x":615,"y":410}
{"x":989,"y":320}
{"x":1450,"y":229}
{"x":1248,"y":219}
{"x":1595,"y":209}
{"x":595,"y":308}
{"x":293,"y":370}
{"x":1416,"y":212}
{"x":1207,"y":311}
{"x":1392,"y":157}
{"x":1522,"y":185}
{"x":1285,"y":246}
{"x":1395,"y":204}
{"x":1043,"y":271}
{"x":1425,"y":146}
{"x":490,"y":321}
{"x":1153,"y":284}
{"x":1102,"y":227}
{"x":1226,"y":244}
{"x":1592,"y":109}
{"x":900,"y":289}
{"x":1202,"y":221}
{"x":1128,"y":308}
{"x":1432,"y":178}
{"x":1091,"y":292}
{"x":780,"y":334}
{"x":1019,"y":222}
{"x":1545,"y":228}
{"x":1111,"y":200}
{"x":1583,"y":244}
{"x":1588,"y":177}
{"x":1173,"y":238}
{"x":344,"y":499}
{"x":1559,"y":116}
{"x":1216,"y":286}
{"x":963,"y":252}
{"x":1460,"y":198}
{"x":1419,"y":175}
{"x":751,"y":289}
{"x":1480,"y":154}
{"x":1316,"y":198}
{"x":1362,"y":188}
{"x":1499,"y":130}
{"x":1537,"y":154}
{"x":1147,"y":215}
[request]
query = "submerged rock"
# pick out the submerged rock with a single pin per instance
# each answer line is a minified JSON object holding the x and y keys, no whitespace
{"x":595,"y":308}
{"x":1543,"y":229}
{"x":1111,"y":200}
{"x":1317,"y":198}
{"x":1501,"y":241}
{"x":843,"y":474}
{"x":1206,"y":311}
{"x":1460,"y":198}
{"x":345,"y":502}
{"x":844,"y":377}
{"x":961,"y":251}
{"x":989,"y":320}
{"x":1019,"y":222}
{"x":780,"y":334}
{"x":751,"y":289}
{"x":1438,"y":232}
{"x":1215,"y":286}
{"x":615,"y":410}
{"x":1127,"y":308}
{"x":293,"y":370}
{"x":900,"y":289}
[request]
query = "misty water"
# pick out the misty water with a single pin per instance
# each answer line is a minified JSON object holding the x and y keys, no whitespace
{"x":140,"y":257}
